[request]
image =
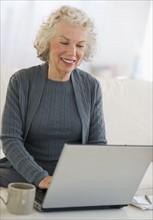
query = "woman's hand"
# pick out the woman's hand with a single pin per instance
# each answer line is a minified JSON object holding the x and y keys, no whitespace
{"x":44,"y":183}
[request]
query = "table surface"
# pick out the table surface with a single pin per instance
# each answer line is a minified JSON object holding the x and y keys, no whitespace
{"x":129,"y":212}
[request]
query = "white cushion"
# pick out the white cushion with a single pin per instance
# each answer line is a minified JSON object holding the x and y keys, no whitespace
{"x":128,"y":111}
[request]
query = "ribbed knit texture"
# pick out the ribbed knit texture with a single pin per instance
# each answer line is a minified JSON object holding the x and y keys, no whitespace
{"x":56,"y":122}
{"x":25,"y":102}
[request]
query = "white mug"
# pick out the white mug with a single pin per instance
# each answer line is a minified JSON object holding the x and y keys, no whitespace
{"x":20,"y":198}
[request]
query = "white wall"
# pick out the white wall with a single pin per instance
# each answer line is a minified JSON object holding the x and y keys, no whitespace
{"x":146,"y":56}
{"x":121,"y":27}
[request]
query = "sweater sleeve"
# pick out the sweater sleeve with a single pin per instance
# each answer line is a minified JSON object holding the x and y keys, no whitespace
{"x":13,"y":123}
{"x":97,"y":132}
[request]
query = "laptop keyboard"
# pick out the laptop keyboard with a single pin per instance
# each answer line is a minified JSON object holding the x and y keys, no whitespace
{"x":40,"y":194}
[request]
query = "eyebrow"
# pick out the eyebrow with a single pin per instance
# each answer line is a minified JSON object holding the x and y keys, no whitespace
{"x":83,"y":41}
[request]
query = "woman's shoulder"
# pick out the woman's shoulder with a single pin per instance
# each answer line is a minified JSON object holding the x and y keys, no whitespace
{"x":28,"y":72}
{"x":86,"y":77}
{"x":26,"y":75}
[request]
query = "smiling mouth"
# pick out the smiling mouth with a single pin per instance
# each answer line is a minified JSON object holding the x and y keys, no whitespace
{"x":68,"y":61}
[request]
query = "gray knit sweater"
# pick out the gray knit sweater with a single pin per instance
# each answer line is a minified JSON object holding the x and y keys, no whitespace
{"x":24,"y":93}
{"x":55,"y":123}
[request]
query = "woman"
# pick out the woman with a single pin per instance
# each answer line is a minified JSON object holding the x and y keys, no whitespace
{"x":53,"y":103}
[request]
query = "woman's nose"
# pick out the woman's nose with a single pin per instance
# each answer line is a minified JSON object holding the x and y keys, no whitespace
{"x":71,"y":50}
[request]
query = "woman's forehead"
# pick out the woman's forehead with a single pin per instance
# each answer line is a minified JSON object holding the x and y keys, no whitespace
{"x":69,"y":31}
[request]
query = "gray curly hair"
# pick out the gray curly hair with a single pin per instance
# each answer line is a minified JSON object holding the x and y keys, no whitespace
{"x":72,"y":15}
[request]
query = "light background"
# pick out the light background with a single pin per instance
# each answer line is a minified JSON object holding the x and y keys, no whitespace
{"x":124,"y":47}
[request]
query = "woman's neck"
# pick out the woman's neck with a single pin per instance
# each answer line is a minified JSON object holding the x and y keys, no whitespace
{"x":56,"y":76}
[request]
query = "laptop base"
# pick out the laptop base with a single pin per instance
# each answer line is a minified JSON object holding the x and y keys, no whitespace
{"x":81,"y":208}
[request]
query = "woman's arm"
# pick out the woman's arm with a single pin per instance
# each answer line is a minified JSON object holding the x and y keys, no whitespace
{"x":97,"y":132}
{"x":13,"y":124}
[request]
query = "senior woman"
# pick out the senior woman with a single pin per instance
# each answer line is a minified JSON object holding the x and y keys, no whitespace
{"x":53,"y":103}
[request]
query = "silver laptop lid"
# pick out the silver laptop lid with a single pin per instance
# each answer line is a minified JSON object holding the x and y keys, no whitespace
{"x":95,"y":175}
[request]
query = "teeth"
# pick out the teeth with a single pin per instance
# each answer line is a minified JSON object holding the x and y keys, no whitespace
{"x":68,"y":61}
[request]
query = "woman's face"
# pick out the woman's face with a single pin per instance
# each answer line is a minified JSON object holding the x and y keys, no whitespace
{"x":67,"y":48}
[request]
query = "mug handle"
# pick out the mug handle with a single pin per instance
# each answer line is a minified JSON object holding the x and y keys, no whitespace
{"x":5,"y":202}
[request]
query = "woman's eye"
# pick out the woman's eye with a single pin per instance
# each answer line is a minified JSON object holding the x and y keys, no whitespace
{"x":80,"y":46}
{"x":65,"y":43}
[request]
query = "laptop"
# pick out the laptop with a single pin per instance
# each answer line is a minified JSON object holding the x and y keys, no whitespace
{"x":95,"y":177}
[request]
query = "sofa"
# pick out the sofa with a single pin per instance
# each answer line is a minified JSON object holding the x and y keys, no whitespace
{"x":127,"y":107}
